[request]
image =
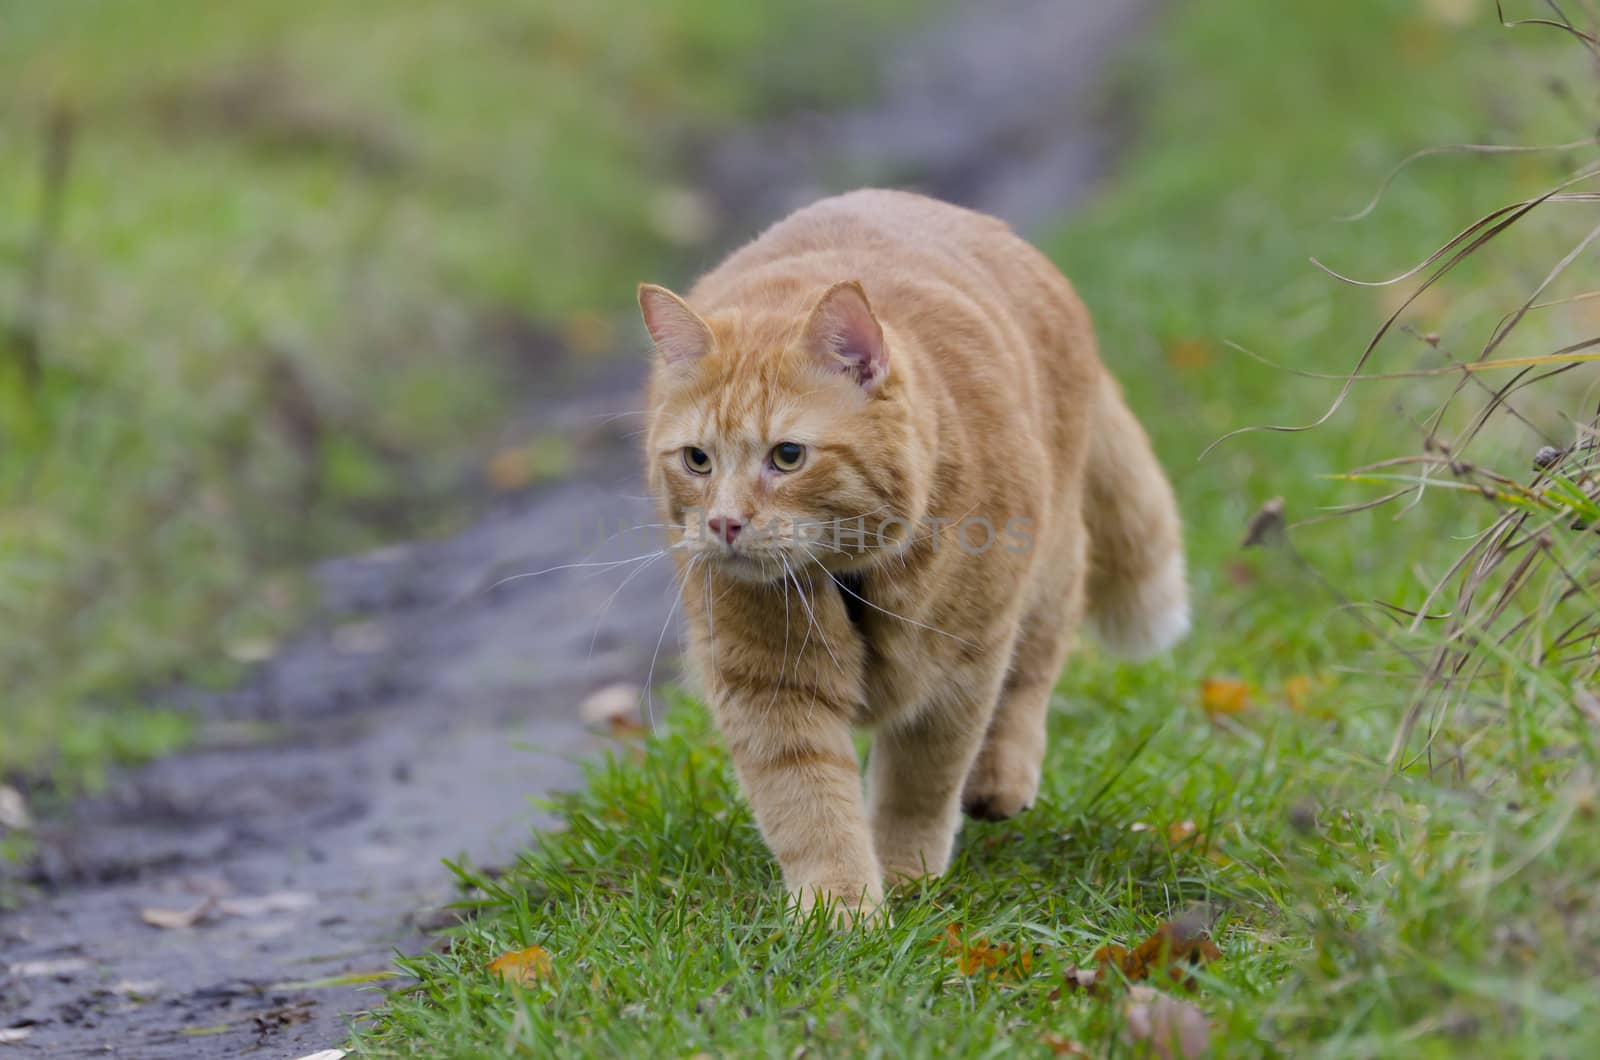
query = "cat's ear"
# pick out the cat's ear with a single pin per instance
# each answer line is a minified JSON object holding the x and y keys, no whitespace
{"x":678,"y":332}
{"x":843,"y":329}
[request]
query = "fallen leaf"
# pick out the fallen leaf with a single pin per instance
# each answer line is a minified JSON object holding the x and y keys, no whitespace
{"x":1240,"y":573}
{"x":1061,"y":1045}
{"x":1266,"y":526}
{"x":59,"y":966}
{"x":179,"y":919}
{"x":251,"y":650}
{"x":1224,"y":696}
{"x":1181,"y":831}
{"x":326,"y":1054}
{"x":276,"y":902}
{"x":615,"y":708}
{"x":1077,"y":979}
{"x":525,"y":967}
{"x":1173,"y":1028}
{"x":13,"y":1035}
{"x":13,"y":809}
{"x":1168,"y":954}
{"x":519,"y":466}
{"x":977,"y":955}
{"x":1190,"y":354}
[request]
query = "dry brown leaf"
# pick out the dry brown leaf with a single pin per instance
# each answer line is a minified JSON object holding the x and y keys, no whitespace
{"x":1061,"y":1045}
{"x":519,"y":466}
{"x":1167,"y":955}
{"x":1190,"y":354}
{"x":1174,"y":1029}
{"x":1266,"y":526}
{"x":179,"y":919}
{"x":614,"y":708}
{"x":977,"y":955}
{"x":526,"y":967}
{"x":1224,"y":696}
{"x":1076,"y":979}
{"x":509,"y":470}
{"x":1182,"y":831}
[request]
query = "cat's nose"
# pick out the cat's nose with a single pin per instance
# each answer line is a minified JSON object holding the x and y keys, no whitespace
{"x":725,"y":527}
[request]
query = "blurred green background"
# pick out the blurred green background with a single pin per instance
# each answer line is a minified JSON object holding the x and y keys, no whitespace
{"x":272,"y":274}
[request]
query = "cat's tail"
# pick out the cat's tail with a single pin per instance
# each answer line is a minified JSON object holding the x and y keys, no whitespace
{"x":1138,"y":598}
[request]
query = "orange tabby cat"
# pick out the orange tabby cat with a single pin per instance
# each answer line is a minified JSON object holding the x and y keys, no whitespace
{"x":897,"y":476}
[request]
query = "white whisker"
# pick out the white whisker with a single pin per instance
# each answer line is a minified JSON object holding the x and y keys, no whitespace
{"x":910,"y":621}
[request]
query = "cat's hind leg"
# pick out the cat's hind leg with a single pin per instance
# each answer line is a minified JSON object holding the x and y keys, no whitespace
{"x":1004,"y":779}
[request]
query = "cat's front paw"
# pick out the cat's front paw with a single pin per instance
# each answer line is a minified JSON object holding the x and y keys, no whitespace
{"x":1002,"y":784}
{"x":844,"y":905}
{"x":912,"y":848}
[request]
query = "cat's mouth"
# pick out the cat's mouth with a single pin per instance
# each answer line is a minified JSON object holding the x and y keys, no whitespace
{"x":769,"y":554}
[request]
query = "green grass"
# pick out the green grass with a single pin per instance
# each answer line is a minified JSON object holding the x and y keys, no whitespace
{"x":297,"y":243}
{"x":1444,"y":911}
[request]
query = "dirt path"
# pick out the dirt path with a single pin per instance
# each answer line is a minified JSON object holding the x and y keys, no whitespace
{"x":418,"y":719}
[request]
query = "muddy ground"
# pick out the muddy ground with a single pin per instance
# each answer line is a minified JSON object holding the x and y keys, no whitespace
{"x":422,"y":714}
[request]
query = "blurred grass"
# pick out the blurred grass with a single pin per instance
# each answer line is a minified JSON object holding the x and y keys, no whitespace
{"x":299,"y":246}
{"x":1435,"y":912}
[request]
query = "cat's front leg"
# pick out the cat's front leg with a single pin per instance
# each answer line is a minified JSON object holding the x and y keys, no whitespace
{"x":916,"y":771}
{"x":798,"y":768}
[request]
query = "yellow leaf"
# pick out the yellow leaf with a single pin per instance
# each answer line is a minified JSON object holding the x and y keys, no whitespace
{"x":524,"y":967}
{"x":1190,"y":354}
{"x":975,"y":955}
{"x":1224,"y":695}
{"x":1297,"y":690}
{"x":519,"y":466}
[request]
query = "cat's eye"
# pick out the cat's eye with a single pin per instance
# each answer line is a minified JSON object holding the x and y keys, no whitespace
{"x":696,"y":460}
{"x":788,"y":456}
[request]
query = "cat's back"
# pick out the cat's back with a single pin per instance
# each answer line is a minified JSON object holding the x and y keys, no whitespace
{"x":882,"y":233}
{"x":927,"y":266}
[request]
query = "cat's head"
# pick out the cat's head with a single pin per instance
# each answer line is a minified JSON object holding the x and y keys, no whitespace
{"x":779,"y":437}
